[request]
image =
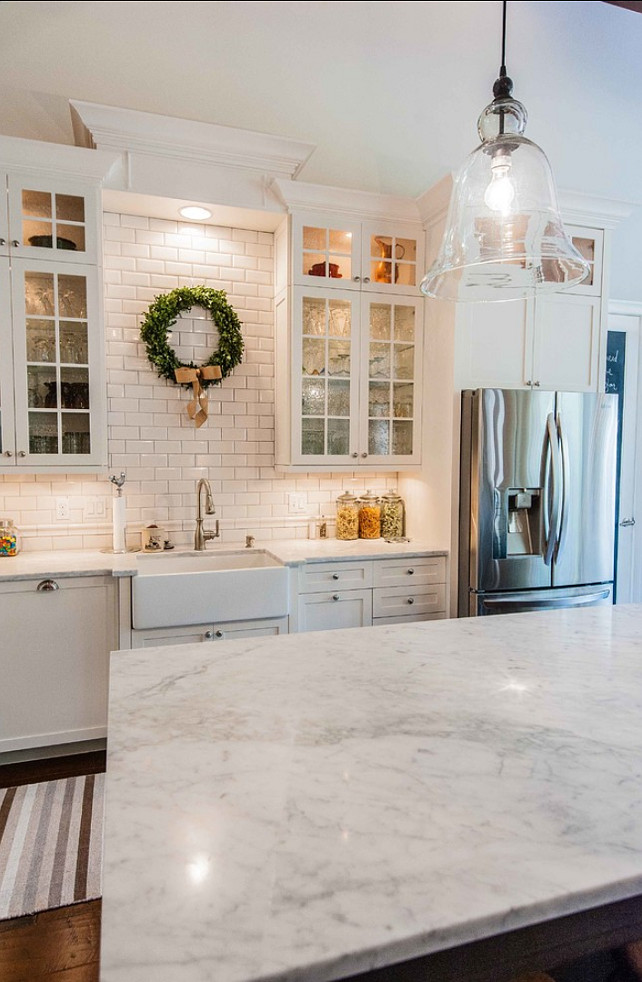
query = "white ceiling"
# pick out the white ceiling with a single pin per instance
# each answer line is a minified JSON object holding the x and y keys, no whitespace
{"x":388,"y":91}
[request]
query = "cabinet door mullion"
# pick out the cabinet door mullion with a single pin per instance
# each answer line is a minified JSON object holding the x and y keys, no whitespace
{"x":7,"y":408}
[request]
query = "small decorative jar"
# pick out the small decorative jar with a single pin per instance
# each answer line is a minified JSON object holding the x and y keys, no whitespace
{"x":369,"y":516}
{"x":9,"y":538}
{"x":392,"y":515}
{"x":347,"y":516}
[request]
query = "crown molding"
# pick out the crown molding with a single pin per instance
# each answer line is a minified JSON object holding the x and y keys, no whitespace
{"x":57,"y":158}
{"x":296,"y":195}
{"x":576,"y":206}
{"x":630,"y":308}
{"x":132,"y":131}
{"x":433,"y":203}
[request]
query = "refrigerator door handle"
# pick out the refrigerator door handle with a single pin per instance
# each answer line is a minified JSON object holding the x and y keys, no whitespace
{"x":551,"y":490}
{"x":561,"y":540}
{"x":521,"y":605}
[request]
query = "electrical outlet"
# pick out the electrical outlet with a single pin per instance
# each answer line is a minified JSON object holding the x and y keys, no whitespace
{"x":62,"y":509}
{"x":297,"y":504}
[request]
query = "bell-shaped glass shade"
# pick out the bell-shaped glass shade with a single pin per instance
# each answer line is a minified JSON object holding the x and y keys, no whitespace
{"x":504,"y":237}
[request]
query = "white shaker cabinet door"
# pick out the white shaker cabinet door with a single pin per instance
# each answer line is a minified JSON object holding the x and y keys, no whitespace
{"x":567,"y":342}
{"x":326,"y":611}
{"x":495,"y":344}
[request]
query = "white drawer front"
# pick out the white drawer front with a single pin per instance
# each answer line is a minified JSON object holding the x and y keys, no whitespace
{"x":406,"y":601}
{"x":412,"y":573}
{"x":328,"y":611}
{"x":315,"y":577}
{"x":440,"y":615}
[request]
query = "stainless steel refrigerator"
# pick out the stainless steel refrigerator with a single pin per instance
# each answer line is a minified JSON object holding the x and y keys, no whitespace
{"x":537,"y":500}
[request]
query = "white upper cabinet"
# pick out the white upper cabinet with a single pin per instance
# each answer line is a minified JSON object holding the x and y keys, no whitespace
{"x":550,"y":342}
{"x":340,"y":253}
{"x":52,"y":219}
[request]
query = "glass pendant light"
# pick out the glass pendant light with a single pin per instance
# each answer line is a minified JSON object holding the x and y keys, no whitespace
{"x":504,"y":237}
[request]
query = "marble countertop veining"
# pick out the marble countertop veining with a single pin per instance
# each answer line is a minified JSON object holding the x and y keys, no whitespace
{"x":311,"y":806}
{"x":291,"y":552}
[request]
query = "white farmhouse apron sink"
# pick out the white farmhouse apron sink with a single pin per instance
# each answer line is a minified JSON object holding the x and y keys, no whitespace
{"x":200,"y":587}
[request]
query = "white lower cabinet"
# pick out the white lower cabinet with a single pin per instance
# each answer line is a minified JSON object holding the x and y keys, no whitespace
{"x":162,"y":636}
{"x":54,"y":659}
{"x":379,"y":591}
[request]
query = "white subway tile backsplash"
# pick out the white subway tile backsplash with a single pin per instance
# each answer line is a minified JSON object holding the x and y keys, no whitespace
{"x":150,"y":434}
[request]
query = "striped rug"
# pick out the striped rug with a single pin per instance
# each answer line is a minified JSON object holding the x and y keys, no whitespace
{"x":50,"y":844}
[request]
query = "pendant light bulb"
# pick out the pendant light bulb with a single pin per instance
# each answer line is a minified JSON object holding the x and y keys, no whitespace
{"x":500,"y":193}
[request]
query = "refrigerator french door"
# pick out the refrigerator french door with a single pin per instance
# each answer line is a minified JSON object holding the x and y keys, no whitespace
{"x":537,"y":500}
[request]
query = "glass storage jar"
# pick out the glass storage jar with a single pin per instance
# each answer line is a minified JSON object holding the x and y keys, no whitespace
{"x":347,"y":516}
{"x":369,"y":516}
{"x":392,"y":515}
{"x":9,"y":538}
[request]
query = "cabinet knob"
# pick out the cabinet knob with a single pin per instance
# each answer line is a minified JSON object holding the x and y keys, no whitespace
{"x":208,"y":635}
{"x":335,"y":576}
{"x":366,"y":279}
{"x":627,"y":522}
{"x":528,"y":382}
{"x":364,"y":454}
{"x":536,"y":384}
{"x":219,"y":634}
{"x":8,"y":453}
{"x":410,"y":600}
{"x":357,"y":279}
{"x":3,"y":242}
{"x":410,"y":571}
{"x":15,"y":243}
{"x":47,"y":586}
{"x":22,"y":453}
{"x":335,"y":596}
{"x":355,"y":454}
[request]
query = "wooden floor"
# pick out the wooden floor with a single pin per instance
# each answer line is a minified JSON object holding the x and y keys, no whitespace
{"x":61,"y":945}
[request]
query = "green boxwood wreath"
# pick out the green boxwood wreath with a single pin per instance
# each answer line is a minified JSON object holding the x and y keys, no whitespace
{"x":162,"y":315}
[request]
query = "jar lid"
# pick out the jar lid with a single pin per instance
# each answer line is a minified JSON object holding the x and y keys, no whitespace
{"x":391,"y":495}
{"x":370,"y":496}
{"x":347,"y":498}
{"x":6,"y":521}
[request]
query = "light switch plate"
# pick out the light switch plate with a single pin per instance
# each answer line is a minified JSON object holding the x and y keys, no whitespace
{"x":297,"y":504}
{"x":62,"y":509}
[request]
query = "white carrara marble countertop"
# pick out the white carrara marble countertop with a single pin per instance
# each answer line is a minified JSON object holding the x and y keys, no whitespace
{"x":91,"y":562}
{"x":311,"y":806}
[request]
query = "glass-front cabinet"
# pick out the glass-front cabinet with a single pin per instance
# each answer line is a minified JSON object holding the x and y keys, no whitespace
{"x":52,"y":398}
{"x":356,"y":379}
{"x":332,"y":251}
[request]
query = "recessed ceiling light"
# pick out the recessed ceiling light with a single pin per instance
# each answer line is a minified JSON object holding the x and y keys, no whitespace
{"x":195,"y":212}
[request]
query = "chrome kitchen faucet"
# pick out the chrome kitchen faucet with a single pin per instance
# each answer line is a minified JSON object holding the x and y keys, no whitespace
{"x":202,"y":535}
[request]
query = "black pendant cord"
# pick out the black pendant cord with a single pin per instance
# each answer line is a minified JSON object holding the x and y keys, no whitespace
{"x":502,"y":70}
{"x":503,"y":87}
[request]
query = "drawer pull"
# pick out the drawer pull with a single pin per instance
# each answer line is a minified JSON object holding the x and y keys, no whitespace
{"x":410,"y":600}
{"x":335,"y":596}
{"x":219,"y":634}
{"x":410,"y":571}
{"x":208,"y":635}
{"x":335,"y":576}
{"x":47,"y":586}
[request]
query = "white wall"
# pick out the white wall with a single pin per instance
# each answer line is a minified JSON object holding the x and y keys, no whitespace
{"x":151,"y":437}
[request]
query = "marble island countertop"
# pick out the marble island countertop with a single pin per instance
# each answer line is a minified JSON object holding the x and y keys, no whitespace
{"x":90,"y":562}
{"x":312,"y":806}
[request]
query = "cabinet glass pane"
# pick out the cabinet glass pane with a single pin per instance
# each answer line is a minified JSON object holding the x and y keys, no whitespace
{"x":42,"y":387}
{"x":338,"y":436}
{"x":39,"y":293}
{"x":313,"y":356}
{"x":47,"y":226}
{"x":405,"y":274}
{"x":338,"y":358}
{"x":379,"y":399}
{"x":43,"y":432}
{"x":315,"y":264}
{"x":379,"y":360}
{"x":338,"y":398}
{"x":74,"y":388}
{"x":339,"y":320}
{"x":404,"y":360}
{"x":586,"y":248}
{"x":380,"y":321}
{"x":404,"y":323}
{"x":314,"y":316}
{"x":406,"y":249}
{"x":41,"y":339}
{"x":402,"y":399}
{"x":36,"y":203}
{"x":315,"y":239}
{"x":381,"y":272}
{"x":378,"y":436}
{"x":72,"y":296}
{"x":401,"y":438}
{"x":313,"y":397}
{"x":340,"y":241}
{"x":74,"y":342}
{"x":75,"y":433}
{"x":70,"y":208}
{"x":312,"y":436}
{"x":393,"y":260}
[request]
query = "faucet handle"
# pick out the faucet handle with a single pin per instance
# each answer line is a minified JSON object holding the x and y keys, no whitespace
{"x":249,"y":541}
